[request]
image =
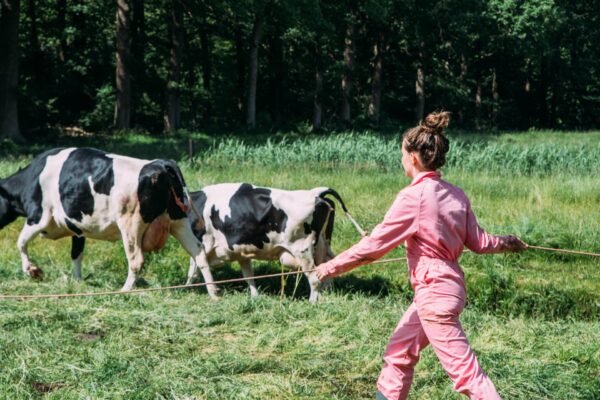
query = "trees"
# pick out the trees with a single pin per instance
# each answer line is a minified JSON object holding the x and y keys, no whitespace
{"x":9,"y":69}
{"x":123,"y":65}
{"x":278,"y":63}
{"x":173,"y":109}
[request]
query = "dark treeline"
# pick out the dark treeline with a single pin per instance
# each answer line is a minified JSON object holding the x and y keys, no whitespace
{"x":163,"y":65}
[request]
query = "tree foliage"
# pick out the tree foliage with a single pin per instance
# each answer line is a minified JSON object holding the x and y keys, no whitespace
{"x":506,"y":64}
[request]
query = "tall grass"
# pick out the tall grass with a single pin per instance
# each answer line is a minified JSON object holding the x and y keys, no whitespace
{"x":368,"y":150}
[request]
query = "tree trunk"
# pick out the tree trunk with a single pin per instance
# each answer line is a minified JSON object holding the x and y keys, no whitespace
{"x":478,"y":106}
{"x":529,"y":101}
{"x":34,"y":43}
{"x":543,"y":91}
{"x":253,"y":71}
{"x":138,"y":42}
{"x":464,"y":69}
{"x":123,"y":65}
{"x":317,"y":120}
{"x":61,"y":22}
{"x":348,"y":75}
{"x":495,"y":98}
{"x":277,"y":78}
{"x":241,"y":68}
{"x":420,"y":92}
{"x":206,"y":66}
{"x":173,"y":116}
{"x":375,"y":103}
{"x":554,"y":103}
{"x":9,"y":70}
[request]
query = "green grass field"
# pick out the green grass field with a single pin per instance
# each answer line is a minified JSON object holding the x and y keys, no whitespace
{"x":532,"y":318}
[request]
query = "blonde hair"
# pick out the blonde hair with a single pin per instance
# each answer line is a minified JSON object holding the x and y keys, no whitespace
{"x":428,"y":140}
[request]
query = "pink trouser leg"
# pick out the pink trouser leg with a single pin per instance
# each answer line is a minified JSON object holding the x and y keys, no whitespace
{"x":433,"y":319}
{"x":401,"y":356}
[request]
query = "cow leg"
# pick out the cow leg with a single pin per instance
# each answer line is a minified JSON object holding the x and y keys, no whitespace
{"x":323,"y":253}
{"x":192,"y":272}
{"x":305,"y":262}
{"x":28,"y":233}
{"x":182,"y":231}
{"x":77,"y":246}
{"x":246,"y":266}
{"x":132,"y":231}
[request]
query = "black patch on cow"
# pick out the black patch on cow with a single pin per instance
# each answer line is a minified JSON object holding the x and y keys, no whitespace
{"x":72,"y":227}
{"x":157,"y":182}
{"x":177,"y":182}
{"x":77,"y":246}
{"x":253,"y":215}
{"x":323,"y":208}
{"x":199,"y":200}
{"x":307,"y":228}
{"x":7,"y":212}
{"x":73,"y":183}
{"x":21,"y":193}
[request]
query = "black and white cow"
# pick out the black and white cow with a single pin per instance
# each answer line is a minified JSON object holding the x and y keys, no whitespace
{"x":245,"y":222}
{"x":85,"y":192}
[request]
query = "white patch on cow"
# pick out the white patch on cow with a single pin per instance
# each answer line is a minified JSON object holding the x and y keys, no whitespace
{"x":220,"y":195}
{"x":49,"y":183}
{"x":101,"y":224}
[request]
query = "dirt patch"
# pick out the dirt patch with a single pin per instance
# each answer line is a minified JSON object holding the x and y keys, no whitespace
{"x":47,"y":387}
{"x":90,"y":336}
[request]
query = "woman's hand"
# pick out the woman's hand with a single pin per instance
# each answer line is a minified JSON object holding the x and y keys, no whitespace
{"x":321,"y":273}
{"x":513,"y":243}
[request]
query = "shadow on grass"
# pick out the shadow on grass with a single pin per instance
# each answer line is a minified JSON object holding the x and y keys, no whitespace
{"x":492,"y":293}
{"x":134,"y":145}
{"x":297,"y":285}
{"x":141,"y":145}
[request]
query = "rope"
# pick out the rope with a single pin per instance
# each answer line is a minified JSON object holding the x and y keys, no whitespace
{"x":280,"y":274}
{"x":582,"y":253}
{"x":134,"y":291}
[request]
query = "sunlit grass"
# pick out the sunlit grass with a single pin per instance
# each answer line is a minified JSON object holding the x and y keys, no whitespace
{"x":532,"y":318}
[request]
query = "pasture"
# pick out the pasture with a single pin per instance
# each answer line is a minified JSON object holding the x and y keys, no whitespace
{"x":532,"y":318}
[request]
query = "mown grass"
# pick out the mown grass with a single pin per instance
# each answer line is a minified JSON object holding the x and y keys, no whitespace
{"x":532,"y":318}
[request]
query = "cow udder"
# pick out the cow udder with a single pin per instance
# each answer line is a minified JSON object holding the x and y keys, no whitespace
{"x":156,"y":235}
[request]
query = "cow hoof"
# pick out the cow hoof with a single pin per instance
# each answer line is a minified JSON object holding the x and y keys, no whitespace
{"x":314,"y":298}
{"x":213,"y":293}
{"x":35,"y":272}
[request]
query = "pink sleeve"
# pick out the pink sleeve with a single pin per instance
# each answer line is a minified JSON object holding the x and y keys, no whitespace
{"x":479,"y":240}
{"x":399,"y":223}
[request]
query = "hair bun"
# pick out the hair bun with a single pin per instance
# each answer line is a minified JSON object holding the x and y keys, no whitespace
{"x":436,"y":121}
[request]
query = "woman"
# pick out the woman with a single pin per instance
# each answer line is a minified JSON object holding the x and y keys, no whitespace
{"x":436,"y":221}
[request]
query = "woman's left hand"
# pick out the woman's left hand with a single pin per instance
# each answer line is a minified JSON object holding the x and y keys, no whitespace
{"x":513,"y":243}
{"x":321,"y":272}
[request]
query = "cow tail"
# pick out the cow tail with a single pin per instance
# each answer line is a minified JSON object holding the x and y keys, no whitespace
{"x":336,"y":195}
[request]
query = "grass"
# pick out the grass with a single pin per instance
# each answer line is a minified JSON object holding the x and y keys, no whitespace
{"x":532,"y":318}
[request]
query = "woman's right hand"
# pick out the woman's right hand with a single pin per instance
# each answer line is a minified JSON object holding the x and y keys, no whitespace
{"x":513,"y":243}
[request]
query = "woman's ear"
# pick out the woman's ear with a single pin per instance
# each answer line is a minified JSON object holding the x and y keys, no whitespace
{"x":414,"y":159}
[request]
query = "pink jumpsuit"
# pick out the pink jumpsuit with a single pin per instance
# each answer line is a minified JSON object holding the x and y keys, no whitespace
{"x":436,"y":221}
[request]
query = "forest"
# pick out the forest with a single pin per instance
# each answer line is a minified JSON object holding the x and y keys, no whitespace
{"x":305,"y":65}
